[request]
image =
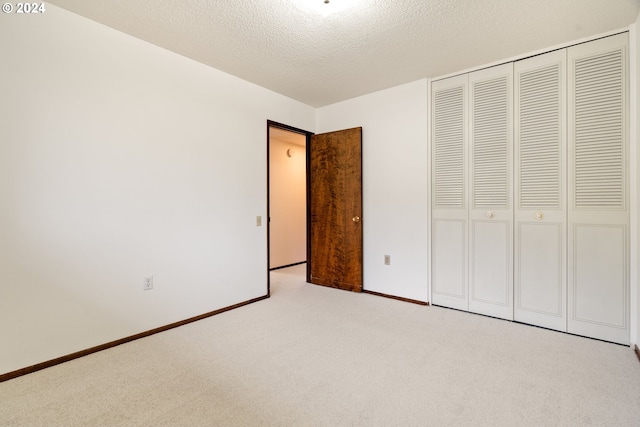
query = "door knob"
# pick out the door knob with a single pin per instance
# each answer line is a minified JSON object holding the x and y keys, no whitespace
{"x":490,"y":214}
{"x":538,"y":215}
{"x":356,"y":218}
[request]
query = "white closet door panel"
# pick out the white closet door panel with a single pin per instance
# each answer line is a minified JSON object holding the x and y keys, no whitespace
{"x":599,"y":303}
{"x":449,"y":265}
{"x":598,"y":177}
{"x":491,"y":210}
{"x":541,"y":274}
{"x":449,"y":277}
{"x":491,"y":137}
{"x":449,"y":140}
{"x":490,"y":276}
{"x":540,"y":286}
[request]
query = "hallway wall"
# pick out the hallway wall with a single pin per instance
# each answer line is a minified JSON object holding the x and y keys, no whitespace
{"x":287,"y":201}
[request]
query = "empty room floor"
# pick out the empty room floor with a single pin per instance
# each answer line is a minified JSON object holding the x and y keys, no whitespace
{"x":314,"y":356}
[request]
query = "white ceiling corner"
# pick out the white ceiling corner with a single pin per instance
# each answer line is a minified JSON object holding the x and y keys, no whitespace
{"x":368,"y":46}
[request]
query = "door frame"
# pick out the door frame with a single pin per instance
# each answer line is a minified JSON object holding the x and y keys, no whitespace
{"x":307,"y":134}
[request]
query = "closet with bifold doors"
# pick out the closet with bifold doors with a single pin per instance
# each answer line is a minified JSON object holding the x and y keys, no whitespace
{"x":530,"y":212}
{"x":472,"y":209}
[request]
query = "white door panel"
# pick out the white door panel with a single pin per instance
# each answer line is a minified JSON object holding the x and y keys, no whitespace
{"x":449,"y":278}
{"x":599,"y":303}
{"x":490,"y":279}
{"x":490,"y":205}
{"x":540,"y":285}
{"x":449,"y":264}
{"x":540,"y":274}
{"x":598,"y":270}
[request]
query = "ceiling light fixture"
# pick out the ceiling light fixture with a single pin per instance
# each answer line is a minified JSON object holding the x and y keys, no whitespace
{"x":325,"y":7}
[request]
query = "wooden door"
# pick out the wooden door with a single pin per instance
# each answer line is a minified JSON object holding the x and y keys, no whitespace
{"x":540,"y":211}
{"x":335,"y":210}
{"x":490,"y":192}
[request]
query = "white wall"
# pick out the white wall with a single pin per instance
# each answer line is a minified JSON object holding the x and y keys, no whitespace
{"x":287,"y":203}
{"x":394,"y":152}
{"x":120,"y":160}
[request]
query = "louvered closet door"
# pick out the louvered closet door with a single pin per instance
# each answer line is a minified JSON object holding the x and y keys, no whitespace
{"x":598,"y":206}
{"x":540,"y":175}
{"x":449,"y":207}
{"x":491,"y":193}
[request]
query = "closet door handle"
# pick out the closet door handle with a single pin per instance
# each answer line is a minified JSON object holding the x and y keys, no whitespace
{"x":490,"y":214}
{"x":538,"y":215}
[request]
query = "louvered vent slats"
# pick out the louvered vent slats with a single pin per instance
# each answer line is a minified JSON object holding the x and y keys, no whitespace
{"x":448,"y":141}
{"x":539,"y":138}
{"x":599,"y":136}
{"x":490,"y":143}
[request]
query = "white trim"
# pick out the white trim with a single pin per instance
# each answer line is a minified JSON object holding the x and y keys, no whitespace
{"x":429,"y":191}
{"x":633,"y":184}
{"x":534,"y":53}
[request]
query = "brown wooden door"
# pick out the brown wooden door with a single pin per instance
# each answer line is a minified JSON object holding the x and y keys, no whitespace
{"x":335,"y":210}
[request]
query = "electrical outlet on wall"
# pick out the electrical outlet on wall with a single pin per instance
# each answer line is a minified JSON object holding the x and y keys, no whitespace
{"x":148,"y":283}
{"x":387,"y":260}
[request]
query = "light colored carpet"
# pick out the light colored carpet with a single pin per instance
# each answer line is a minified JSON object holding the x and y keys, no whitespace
{"x":313,"y":356}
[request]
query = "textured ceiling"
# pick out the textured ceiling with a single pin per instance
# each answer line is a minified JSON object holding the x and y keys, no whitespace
{"x":299,"y":49}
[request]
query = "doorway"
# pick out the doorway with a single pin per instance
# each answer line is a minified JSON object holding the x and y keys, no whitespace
{"x":286,"y":197}
{"x":314,"y":204}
